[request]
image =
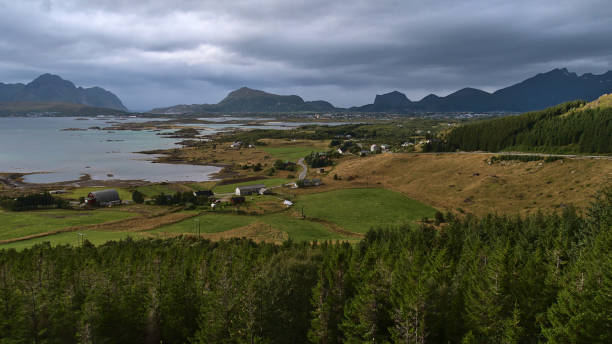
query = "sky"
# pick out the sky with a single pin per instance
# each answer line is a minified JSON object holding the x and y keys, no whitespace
{"x":161,"y":53}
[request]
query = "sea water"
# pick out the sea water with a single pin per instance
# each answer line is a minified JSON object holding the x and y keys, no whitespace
{"x":38,"y":144}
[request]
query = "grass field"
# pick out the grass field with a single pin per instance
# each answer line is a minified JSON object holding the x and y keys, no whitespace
{"x":297,"y":229}
{"x":290,"y":153}
{"x":267,"y":182}
{"x":359,"y":210}
{"x":72,"y":238}
{"x":83,"y":192}
{"x":152,"y":190}
{"x":24,"y":223}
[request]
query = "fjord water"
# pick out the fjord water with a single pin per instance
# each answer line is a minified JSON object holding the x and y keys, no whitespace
{"x":40,"y":145}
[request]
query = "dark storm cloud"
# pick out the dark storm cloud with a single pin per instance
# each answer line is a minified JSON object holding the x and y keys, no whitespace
{"x":158,"y":53}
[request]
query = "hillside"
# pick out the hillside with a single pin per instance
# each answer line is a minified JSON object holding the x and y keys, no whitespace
{"x":246,"y":100}
{"x":573,"y":127}
{"x":49,"y":88}
{"x":538,"y":92}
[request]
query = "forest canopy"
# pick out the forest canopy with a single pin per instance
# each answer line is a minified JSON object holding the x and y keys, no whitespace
{"x":539,"y":278}
{"x":559,"y":129}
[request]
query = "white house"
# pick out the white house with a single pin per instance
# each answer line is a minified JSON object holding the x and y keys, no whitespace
{"x":374,"y":148}
{"x":385,"y":147}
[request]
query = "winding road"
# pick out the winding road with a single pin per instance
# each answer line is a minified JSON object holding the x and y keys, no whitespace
{"x":304,"y":169}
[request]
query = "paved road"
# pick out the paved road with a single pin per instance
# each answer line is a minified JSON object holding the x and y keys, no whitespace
{"x":304,"y":169}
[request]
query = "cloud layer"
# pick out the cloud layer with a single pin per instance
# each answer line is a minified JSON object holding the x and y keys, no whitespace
{"x":161,"y":53}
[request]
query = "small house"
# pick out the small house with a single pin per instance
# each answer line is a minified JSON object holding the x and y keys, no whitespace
{"x":407,"y":144}
{"x":249,"y":189}
{"x":103,"y":198}
{"x":385,"y":147}
{"x":374,"y":148}
{"x":287,"y":203}
{"x":236,"y":144}
{"x":364,"y":153}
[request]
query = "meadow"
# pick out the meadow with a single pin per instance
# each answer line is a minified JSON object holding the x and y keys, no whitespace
{"x":26,"y":223}
{"x":359,"y":210}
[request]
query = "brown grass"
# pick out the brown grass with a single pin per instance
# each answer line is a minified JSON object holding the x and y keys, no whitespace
{"x":257,"y":231}
{"x":466,"y":183}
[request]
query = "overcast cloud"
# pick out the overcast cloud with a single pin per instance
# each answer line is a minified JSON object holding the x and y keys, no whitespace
{"x":162,"y":53}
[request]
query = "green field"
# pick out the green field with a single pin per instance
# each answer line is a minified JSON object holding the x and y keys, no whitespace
{"x":267,"y":182}
{"x":24,"y":223}
{"x":153,"y":190}
{"x":209,"y":223}
{"x":290,"y":153}
{"x":355,"y":210}
{"x":83,"y":192}
{"x":298,"y":229}
{"x":72,"y":238}
{"x":359,"y":210}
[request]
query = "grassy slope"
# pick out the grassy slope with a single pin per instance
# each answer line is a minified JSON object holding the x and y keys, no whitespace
{"x":467,"y":182}
{"x":358,"y":210}
{"x":20,"y":224}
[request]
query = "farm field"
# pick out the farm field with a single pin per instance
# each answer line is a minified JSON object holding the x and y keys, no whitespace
{"x":124,"y":194}
{"x":290,"y":153}
{"x":240,"y":225}
{"x":22,"y":224}
{"x":73,"y":238}
{"x":359,"y":210}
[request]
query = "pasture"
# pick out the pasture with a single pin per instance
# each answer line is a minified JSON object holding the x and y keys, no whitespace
{"x":359,"y":210}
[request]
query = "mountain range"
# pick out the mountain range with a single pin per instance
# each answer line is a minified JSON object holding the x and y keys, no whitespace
{"x":49,"y":88}
{"x":245,"y":100}
{"x":538,"y":92}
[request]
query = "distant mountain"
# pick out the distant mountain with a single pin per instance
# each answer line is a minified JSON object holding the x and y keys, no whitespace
{"x":53,"y":109}
{"x":245,"y":100}
{"x":539,"y":92}
{"x":49,"y":88}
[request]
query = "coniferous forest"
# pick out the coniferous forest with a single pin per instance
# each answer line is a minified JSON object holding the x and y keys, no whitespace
{"x":496,"y":279}
{"x":558,"y":129}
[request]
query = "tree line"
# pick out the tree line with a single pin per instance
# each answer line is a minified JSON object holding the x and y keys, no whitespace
{"x":32,"y":202}
{"x":559,"y":129}
{"x":495,"y":279}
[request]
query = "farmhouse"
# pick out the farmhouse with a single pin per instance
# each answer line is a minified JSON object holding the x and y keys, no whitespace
{"x":103,"y":198}
{"x":249,"y":189}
